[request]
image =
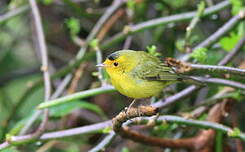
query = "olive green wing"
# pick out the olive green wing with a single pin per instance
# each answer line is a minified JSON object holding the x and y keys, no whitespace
{"x":156,"y":71}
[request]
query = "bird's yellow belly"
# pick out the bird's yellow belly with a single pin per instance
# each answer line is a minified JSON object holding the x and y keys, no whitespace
{"x":137,"y":88}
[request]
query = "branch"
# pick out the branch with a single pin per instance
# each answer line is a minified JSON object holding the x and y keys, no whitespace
{"x":195,"y":143}
{"x":100,"y":126}
{"x":221,"y":81}
{"x":115,"y":6}
{"x":46,"y":77}
{"x":57,"y":93}
{"x":13,"y":13}
{"x":215,"y":68}
{"x":161,"y":21}
{"x":218,"y":34}
{"x":176,"y":97}
{"x":183,"y":67}
{"x":233,"y":52}
{"x":106,"y":141}
{"x":78,"y":95}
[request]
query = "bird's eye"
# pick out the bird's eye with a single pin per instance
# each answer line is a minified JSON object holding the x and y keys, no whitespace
{"x":115,"y":64}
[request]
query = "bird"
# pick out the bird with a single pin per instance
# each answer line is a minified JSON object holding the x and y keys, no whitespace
{"x":138,"y":74}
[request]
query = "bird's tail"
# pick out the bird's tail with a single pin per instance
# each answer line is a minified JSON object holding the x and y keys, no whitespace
{"x":192,"y":80}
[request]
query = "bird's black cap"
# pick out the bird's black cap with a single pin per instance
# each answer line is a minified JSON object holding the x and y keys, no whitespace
{"x":113,"y":56}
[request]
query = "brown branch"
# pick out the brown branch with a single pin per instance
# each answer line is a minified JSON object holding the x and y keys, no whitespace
{"x":202,"y":142}
{"x":111,"y":21}
{"x":79,"y":72}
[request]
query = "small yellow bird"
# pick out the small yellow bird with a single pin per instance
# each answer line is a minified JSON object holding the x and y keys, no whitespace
{"x":137,"y":74}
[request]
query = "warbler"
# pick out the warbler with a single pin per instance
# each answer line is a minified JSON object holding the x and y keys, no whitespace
{"x":137,"y":74}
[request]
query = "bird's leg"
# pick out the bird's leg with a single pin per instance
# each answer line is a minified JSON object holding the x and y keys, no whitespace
{"x":131,"y":104}
{"x":128,"y":108}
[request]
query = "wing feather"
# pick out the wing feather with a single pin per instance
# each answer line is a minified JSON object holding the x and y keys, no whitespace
{"x":151,"y":68}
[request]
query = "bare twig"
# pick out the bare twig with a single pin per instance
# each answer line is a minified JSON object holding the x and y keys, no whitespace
{"x":183,"y":67}
{"x":195,"y":143}
{"x":111,"y":21}
{"x":222,"y":82}
{"x":77,"y":95}
{"x":46,"y":76}
{"x":76,"y":78}
{"x":115,"y":5}
{"x":44,"y":57}
{"x":76,"y":131}
{"x":172,"y":99}
{"x":13,"y":13}
{"x":58,"y":92}
{"x":161,"y":21}
{"x":233,"y":52}
{"x":214,"y":68}
{"x":217,"y":35}
{"x":102,"y":125}
{"x":106,"y":141}
{"x":194,"y":21}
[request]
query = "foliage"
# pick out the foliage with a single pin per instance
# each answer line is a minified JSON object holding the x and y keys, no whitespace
{"x":161,"y":27}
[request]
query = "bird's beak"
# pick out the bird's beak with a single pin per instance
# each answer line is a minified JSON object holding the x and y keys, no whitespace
{"x":101,"y":65}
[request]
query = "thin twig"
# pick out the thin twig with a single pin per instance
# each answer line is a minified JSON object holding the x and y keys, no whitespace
{"x":222,"y":82}
{"x":77,"y":95}
{"x":102,"y":125}
{"x":217,"y":35}
{"x":76,"y":131}
{"x":58,"y":92}
{"x":46,"y":76}
{"x":161,"y":21}
{"x":115,"y":6}
{"x":13,"y":13}
{"x":215,"y":115}
{"x":215,"y":68}
{"x":193,"y":23}
{"x":233,"y":52}
{"x":44,"y":58}
{"x":172,"y":99}
{"x":106,"y":141}
{"x":111,"y":21}
{"x":77,"y":75}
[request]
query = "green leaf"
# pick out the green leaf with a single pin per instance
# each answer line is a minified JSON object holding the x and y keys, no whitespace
{"x":237,"y":5}
{"x":18,"y":126}
{"x":200,"y":54}
{"x":234,"y":133}
{"x":94,"y":43}
{"x":47,"y":2}
{"x":131,"y":4}
{"x":10,"y":149}
{"x":106,"y":130}
{"x":229,"y":42}
{"x":64,"y":109}
{"x":74,"y":25}
{"x":153,"y":50}
{"x":125,"y":149}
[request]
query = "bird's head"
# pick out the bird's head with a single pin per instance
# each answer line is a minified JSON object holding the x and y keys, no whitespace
{"x":120,"y":62}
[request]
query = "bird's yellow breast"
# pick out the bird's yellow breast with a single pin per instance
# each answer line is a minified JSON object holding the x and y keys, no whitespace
{"x":132,"y":87}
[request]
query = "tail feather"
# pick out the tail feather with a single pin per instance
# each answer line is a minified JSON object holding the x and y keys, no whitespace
{"x":191,"y":80}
